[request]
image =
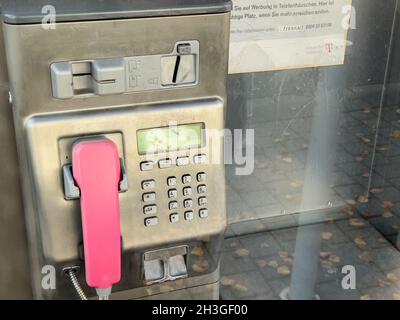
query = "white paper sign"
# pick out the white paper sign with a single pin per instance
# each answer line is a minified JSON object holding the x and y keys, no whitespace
{"x":285,"y":34}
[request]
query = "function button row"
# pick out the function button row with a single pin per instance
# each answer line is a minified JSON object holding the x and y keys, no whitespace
{"x":180,"y":161}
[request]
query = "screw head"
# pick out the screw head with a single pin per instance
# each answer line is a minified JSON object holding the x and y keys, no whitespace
{"x":10,"y":99}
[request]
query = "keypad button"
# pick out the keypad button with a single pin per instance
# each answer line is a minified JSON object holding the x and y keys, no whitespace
{"x":148,"y":197}
{"x":201,"y":189}
{"x":174,"y":217}
{"x":152,"y":221}
{"x":200,"y":159}
{"x":151,"y":209}
{"x":203,"y":213}
{"x":171,"y":181}
{"x":187,"y":203}
{"x":172,"y":193}
{"x":148,"y":184}
{"x":146,"y":165}
{"x":182,"y":161}
{"x":188,"y":215}
{"x":202,"y":201}
{"x":164,"y":163}
{"x":187,"y":191}
{"x":187,"y":178}
{"x":173,"y":205}
{"x":201,"y":177}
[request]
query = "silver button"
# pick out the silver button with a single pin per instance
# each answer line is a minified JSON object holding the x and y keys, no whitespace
{"x":148,"y":197}
{"x":146,"y":165}
{"x":187,"y":203}
{"x":164,"y":163}
{"x":188,"y":215}
{"x":203,"y":213}
{"x":148,"y":184}
{"x":202,"y":201}
{"x":172,"y":193}
{"x":173,"y":205}
{"x":201,"y":188}
{"x":200,"y":159}
{"x":171,"y":181}
{"x":182,"y":161}
{"x":174,"y":217}
{"x":187,"y":191}
{"x":152,"y":209}
{"x":148,"y":222}
{"x":201,"y":177}
{"x":186,"y":179}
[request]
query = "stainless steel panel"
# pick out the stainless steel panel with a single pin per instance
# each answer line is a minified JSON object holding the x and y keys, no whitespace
{"x":42,"y":121}
{"x":14,"y":267}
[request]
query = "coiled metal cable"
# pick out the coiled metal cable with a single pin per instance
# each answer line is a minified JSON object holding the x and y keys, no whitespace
{"x":72,"y":276}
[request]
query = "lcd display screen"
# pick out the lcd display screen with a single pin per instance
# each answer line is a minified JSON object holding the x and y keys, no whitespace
{"x":170,"y":138}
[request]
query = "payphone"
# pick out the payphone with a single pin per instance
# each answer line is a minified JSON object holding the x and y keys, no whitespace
{"x":113,"y":107}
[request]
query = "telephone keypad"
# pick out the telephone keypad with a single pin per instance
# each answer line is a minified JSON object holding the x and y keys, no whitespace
{"x":182,"y":188}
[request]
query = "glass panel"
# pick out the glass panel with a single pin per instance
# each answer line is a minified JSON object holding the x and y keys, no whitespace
{"x":324,"y":196}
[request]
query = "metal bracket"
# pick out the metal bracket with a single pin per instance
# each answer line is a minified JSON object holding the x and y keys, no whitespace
{"x":71,"y":191}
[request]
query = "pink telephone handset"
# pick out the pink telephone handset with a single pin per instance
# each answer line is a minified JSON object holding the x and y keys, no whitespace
{"x":97,"y":172}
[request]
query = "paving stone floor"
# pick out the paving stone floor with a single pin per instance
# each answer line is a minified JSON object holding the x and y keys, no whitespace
{"x":260,"y":265}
